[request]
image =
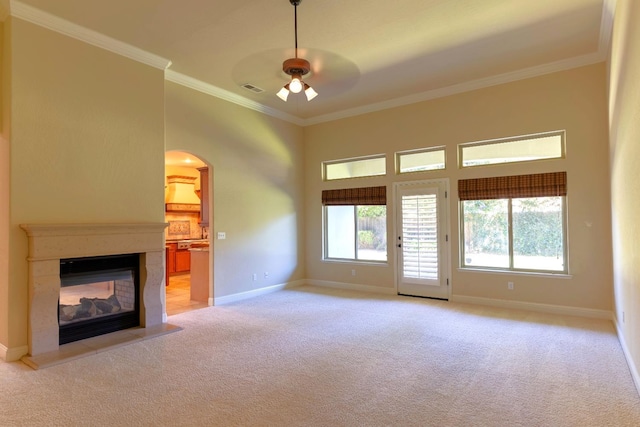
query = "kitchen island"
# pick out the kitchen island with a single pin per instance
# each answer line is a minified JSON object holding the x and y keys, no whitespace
{"x":200,"y":273}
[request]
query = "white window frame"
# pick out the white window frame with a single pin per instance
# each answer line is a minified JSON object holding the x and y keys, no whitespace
{"x":325,"y":176}
{"x":400,"y":154}
{"x":462,"y":147}
{"x":325,"y":238}
{"x":511,"y":267}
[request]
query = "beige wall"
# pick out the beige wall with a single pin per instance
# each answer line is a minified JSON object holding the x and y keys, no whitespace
{"x":574,"y":100}
{"x":258,"y":187}
{"x":624,"y":120}
{"x":87,"y":145}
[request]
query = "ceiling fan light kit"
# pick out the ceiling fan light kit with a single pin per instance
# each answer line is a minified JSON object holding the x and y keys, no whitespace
{"x":284,"y":92}
{"x":309,"y":92}
{"x":296,"y":68}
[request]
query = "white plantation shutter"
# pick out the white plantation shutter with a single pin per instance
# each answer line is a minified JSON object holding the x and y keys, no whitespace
{"x":420,"y":236}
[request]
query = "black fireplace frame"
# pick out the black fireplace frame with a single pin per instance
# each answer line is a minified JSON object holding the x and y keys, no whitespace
{"x":71,"y":269}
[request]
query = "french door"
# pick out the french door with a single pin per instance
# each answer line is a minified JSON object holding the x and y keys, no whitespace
{"x":422,"y":241}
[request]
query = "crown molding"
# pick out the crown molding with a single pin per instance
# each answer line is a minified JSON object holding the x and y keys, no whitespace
{"x":52,"y":22}
{"x":209,"y":89}
{"x":526,"y":73}
{"x":604,"y":46}
{"x":601,"y":55}
{"x":62,"y":26}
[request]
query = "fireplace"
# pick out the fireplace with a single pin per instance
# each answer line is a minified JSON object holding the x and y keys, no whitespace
{"x":52,"y":245}
{"x":98,"y":295}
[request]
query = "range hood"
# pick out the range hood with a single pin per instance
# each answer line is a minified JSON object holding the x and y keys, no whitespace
{"x":181,"y":194}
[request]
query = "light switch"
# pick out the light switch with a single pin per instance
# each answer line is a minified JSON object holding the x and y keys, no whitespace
{"x":222,"y":235}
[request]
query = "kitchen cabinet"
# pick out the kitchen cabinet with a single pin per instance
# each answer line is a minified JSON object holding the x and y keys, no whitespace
{"x":178,"y":260}
{"x":204,"y":197}
{"x":171,"y":257}
{"x":183,"y":260}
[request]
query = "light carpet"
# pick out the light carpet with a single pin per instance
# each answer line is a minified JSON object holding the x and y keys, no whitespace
{"x":324,"y":357}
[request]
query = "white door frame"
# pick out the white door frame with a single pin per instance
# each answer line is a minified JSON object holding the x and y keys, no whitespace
{"x":446,"y":217}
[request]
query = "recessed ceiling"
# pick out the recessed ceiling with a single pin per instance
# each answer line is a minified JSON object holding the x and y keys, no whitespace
{"x":364,"y":55}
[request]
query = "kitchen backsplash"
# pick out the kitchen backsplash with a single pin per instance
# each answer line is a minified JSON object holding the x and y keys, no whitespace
{"x":182,"y":226}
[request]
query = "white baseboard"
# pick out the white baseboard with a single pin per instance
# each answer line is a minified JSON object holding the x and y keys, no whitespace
{"x":352,"y":287}
{"x":627,"y":355}
{"x":254,"y":293}
{"x":521,"y":305}
{"x":537,"y":307}
{"x":13,"y":354}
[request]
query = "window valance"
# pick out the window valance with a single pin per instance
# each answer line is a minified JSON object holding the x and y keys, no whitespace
{"x":517,"y":186}
{"x":355,"y":196}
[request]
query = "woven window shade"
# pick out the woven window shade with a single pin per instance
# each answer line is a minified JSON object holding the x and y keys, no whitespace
{"x":355,"y":196}
{"x":518,"y":186}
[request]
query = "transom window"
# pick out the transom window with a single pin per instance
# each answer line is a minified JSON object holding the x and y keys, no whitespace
{"x":514,"y":223}
{"x":355,"y":168}
{"x":420,"y":160}
{"x":541,"y":146}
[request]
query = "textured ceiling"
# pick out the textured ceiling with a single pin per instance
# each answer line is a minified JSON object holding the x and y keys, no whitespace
{"x":364,"y":55}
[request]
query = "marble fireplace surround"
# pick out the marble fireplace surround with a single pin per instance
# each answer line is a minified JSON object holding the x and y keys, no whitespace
{"x":49,"y":243}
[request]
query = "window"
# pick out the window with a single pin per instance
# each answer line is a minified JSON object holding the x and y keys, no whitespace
{"x":355,"y":168}
{"x":514,"y":223}
{"x":355,"y":225}
{"x":420,"y":160}
{"x":510,"y":150}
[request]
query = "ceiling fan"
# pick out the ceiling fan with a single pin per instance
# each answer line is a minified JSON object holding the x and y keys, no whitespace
{"x":296,"y":67}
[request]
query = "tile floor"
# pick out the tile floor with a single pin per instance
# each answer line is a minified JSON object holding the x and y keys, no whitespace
{"x":179,"y":295}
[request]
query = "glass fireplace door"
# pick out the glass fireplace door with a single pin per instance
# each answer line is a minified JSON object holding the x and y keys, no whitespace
{"x":98,"y":295}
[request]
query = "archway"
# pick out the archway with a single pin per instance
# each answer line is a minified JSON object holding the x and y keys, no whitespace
{"x":188,"y":242}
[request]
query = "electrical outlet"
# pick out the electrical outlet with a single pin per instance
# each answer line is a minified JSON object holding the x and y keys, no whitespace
{"x":510,"y":285}
{"x":353,"y":272}
{"x":255,"y":277}
{"x":266,"y":274}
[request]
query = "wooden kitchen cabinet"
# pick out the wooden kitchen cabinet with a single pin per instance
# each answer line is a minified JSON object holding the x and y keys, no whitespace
{"x":183,"y":260}
{"x":204,"y":197}
{"x":171,"y":257}
{"x":178,"y":260}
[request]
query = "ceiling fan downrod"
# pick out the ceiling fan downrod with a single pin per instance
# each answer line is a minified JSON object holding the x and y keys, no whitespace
{"x":296,"y":66}
{"x":295,"y":4}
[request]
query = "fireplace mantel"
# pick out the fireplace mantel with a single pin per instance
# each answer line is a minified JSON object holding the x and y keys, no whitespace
{"x":56,"y":241}
{"x":49,"y":243}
